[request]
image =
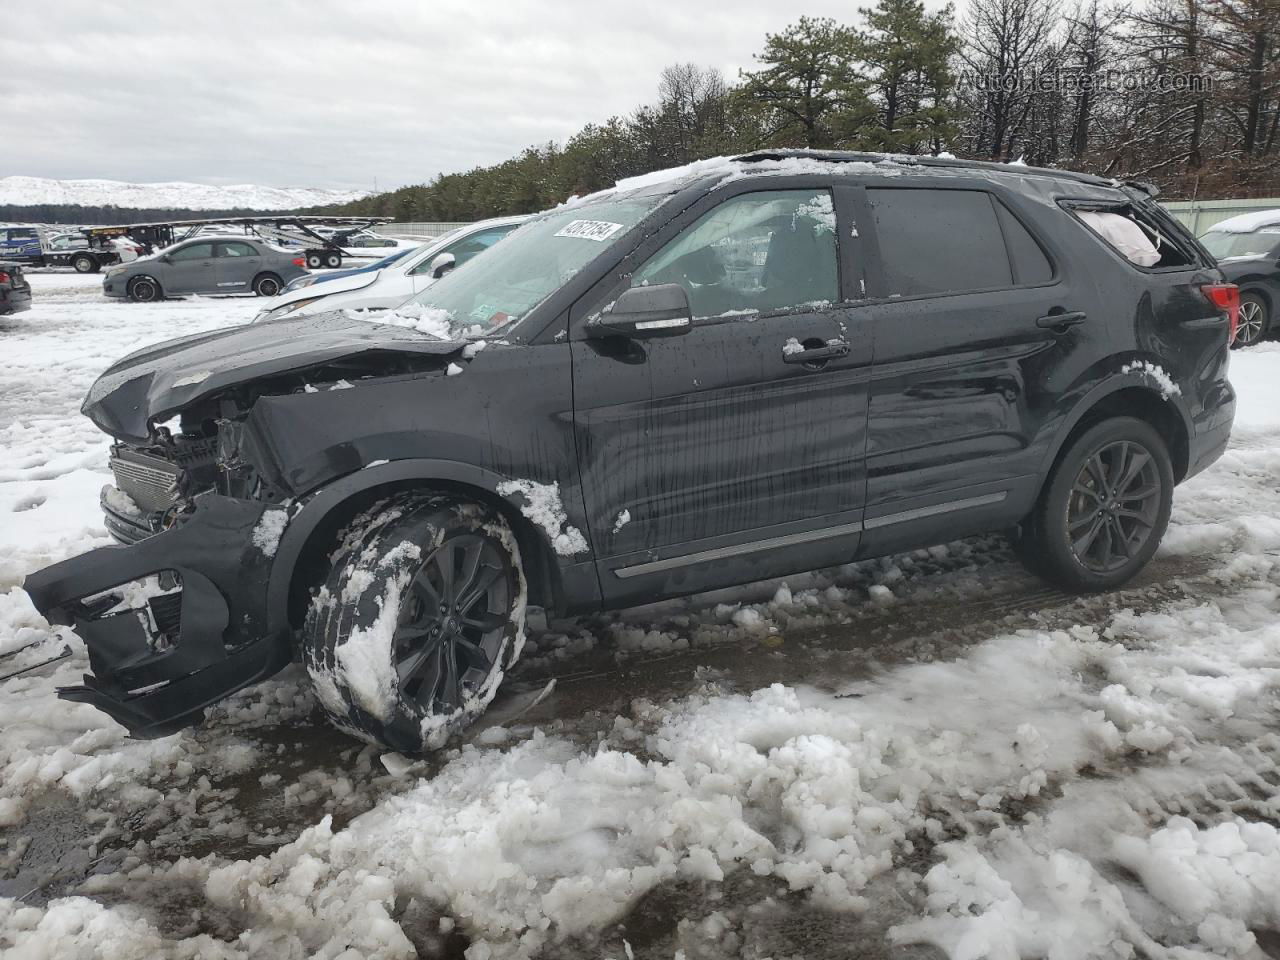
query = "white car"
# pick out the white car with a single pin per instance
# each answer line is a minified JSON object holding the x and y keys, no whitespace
{"x":395,"y":283}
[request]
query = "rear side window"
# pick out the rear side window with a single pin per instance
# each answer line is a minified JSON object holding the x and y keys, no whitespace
{"x":939,"y":241}
{"x":1134,"y":235}
{"x":236,"y":249}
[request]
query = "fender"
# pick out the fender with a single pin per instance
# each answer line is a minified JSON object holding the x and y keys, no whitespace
{"x":574,"y":581}
{"x":1078,"y":406}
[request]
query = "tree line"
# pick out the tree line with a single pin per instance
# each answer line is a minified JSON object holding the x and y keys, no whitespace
{"x":1183,"y":93}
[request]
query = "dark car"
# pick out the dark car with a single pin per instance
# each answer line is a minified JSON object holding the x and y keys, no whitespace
{"x":1248,"y":253}
{"x":15,"y":291}
{"x":206,"y":265}
{"x":762,"y":366}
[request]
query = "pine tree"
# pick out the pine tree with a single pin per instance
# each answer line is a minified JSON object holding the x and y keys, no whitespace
{"x":907,"y":54}
{"x":807,"y":90}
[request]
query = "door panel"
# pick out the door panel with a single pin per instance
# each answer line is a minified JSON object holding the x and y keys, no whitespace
{"x":709,"y":458}
{"x":237,"y":264}
{"x":964,"y":382}
{"x":191,"y":269}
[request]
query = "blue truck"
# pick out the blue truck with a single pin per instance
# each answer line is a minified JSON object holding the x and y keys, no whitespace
{"x":24,"y":245}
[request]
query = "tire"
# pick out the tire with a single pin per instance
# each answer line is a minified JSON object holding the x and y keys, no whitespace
{"x":144,"y":290}
{"x":1255,"y":320}
{"x":84,"y":263}
{"x":382,"y":629}
{"x":333,"y":260}
{"x":1083,"y":541}
{"x":267,"y":285}
{"x":314,"y":261}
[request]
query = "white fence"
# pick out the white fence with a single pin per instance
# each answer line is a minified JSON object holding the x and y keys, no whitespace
{"x":1200,"y":215}
{"x":413,"y":231}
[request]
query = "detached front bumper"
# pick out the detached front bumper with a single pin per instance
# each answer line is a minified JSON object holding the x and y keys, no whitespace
{"x":158,"y":661}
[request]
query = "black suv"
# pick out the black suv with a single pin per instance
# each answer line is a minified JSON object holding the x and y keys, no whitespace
{"x":728,"y":373}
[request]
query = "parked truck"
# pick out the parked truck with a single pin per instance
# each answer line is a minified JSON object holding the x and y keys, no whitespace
{"x":86,"y":254}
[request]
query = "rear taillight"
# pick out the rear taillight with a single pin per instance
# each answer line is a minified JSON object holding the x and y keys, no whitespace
{"x":1226,"y":297}
{"x":4,"y":277}
{"x":299,"y":261}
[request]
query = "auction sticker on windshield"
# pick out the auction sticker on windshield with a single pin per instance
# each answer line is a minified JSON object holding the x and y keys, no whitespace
{"x":598,"y":230}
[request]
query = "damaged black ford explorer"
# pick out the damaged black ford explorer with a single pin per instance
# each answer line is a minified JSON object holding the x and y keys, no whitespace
{"x":754,"y":367}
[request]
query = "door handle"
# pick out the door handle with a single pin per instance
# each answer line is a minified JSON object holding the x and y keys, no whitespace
{"x":1062,"y":320}
{"x":828,"y":351}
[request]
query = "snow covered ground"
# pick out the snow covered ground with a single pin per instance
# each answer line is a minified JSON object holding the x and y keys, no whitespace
{"x":927,"y":754}
{"x":29,"y":191}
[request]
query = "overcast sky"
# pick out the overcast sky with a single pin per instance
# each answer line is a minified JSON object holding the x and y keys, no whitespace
{"x":334,"y":94}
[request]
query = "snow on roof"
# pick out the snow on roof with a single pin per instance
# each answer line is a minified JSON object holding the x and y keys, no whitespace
{"x":1248,"y":222}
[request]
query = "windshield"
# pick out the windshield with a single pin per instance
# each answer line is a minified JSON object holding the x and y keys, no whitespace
{"x":492,"y":293}
{"x":1223,"y":245}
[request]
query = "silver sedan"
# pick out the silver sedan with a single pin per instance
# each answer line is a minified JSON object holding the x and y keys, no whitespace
{"x":208,"y":265}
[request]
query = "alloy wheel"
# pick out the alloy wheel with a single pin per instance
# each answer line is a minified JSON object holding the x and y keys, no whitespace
{"x":1113,"y":507}
{"x":450,"y":631}
{"x":1252,"y":318}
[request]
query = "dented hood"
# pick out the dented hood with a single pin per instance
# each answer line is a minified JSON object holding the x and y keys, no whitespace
{"x":160,"y":380}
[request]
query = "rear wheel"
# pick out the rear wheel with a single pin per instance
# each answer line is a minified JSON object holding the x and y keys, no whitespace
{"x":144,"y":290}
{"x":419,"y":618}
{"x":267,"y":285}
{"x":333,"y":260}
{"x":1254,"y":320}
{"x":1105,"y":508}
{"x":84,"y":263}
{"x":314,"y":261}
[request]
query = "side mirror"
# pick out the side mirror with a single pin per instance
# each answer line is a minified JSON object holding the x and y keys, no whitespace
{"x":442,"y":264}
{"x":661,"y":310}
{"x":165,"y":258}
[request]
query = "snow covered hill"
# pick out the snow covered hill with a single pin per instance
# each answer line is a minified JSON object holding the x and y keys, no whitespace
{"x":29,"y":191}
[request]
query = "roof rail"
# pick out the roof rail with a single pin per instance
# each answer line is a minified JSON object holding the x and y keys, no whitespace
{"x":851,"y":156}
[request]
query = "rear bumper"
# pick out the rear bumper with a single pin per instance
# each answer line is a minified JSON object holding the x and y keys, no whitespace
{"x":158,"y":663}
{"x":1212,"y":431}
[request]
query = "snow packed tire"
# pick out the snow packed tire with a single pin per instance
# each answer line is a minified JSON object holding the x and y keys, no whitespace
{"x":144,"y":290}
{"x":1104,"y":510}
{"x":419,"y":618}
{"x":267,"y":285}
{"x":84,"y":264}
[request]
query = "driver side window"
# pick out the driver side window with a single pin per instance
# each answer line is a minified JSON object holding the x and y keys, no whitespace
{"x":757,"y":253}
{"x":197,"y":251}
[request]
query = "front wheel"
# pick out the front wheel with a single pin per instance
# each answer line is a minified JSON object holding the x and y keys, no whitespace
{"x":144,"y":290}
{"x":1104,"y":510}
{"x":1254,"y":320}
{"x":420,"y":616}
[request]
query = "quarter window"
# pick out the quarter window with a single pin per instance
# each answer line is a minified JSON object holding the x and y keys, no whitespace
{"x":939,"y":241}
{"x":757,"y":253}
{"x":197,"y":251}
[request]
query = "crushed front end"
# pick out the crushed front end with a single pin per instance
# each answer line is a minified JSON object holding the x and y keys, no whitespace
{"x":174,"y":618}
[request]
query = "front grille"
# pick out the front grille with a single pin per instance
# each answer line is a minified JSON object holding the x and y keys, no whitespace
{"x":152,"y":482}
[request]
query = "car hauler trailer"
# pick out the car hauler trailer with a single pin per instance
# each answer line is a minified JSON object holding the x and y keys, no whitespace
{"x":294,"y":231}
